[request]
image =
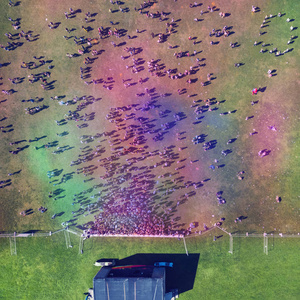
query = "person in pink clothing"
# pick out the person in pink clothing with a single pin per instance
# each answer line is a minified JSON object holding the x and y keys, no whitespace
{"x":254,"y":91}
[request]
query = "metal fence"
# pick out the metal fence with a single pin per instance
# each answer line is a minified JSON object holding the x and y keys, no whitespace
{"x":83,"y":235}
{"x":13,"y":237}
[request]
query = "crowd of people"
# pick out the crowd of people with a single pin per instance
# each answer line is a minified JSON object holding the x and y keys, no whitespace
{"x":133,"y":199}
{"x":130,"y":206}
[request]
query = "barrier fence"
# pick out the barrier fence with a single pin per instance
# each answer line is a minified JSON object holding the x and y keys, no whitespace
{"x":84,"y":235}
{"x":265,"y":237}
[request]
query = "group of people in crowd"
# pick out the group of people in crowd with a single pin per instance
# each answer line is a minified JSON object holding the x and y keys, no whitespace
{"x":135,"y":198}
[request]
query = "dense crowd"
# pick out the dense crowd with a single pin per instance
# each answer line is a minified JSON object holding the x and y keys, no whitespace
{"x":131,"y":200}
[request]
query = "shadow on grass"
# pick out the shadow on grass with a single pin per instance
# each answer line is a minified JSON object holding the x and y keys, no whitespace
{"x":181,"y":276}
{"x":263,"y":89}
{"x":31,"y":231}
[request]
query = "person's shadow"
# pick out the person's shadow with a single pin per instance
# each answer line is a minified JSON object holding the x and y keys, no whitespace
{"x":29,"y":211}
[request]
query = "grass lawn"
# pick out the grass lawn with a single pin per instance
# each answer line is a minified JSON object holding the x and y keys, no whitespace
{"x":45,"y":269}
{"x":177,"y":179}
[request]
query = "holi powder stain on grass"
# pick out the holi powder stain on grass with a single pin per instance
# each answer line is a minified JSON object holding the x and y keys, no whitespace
{"x":156,"y":160}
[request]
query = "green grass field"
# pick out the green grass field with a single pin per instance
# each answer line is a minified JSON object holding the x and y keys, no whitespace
{"x":45,"y":269}
{"x":248,"y":273}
